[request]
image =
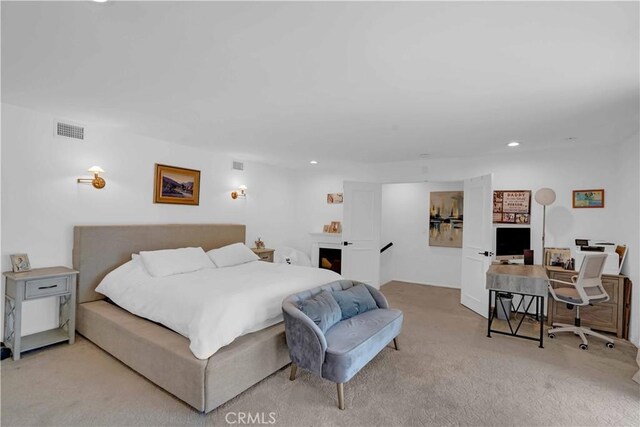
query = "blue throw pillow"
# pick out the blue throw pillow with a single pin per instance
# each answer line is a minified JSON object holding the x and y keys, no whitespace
{"x":322,"y":309}
{"x":355,"y":300}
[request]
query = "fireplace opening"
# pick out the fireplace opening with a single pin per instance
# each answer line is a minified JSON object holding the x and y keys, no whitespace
{"x":330,"y":259}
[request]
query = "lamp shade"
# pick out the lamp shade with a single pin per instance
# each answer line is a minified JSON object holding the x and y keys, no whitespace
{"x":95,"y":169}
{"x":242,"y":187}
{"x":545,"y":196}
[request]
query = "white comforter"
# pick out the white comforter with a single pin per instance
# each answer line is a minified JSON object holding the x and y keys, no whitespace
{"x":214,"y":306}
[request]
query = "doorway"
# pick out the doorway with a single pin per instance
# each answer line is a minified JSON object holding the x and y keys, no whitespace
{"x":405,"y":222}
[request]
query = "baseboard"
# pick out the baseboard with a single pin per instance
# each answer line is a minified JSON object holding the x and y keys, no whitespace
{"x":413,"y":282}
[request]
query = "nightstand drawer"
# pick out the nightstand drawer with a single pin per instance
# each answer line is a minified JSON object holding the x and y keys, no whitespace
{"x":46,"y":287}
{"x":264,"y":254}
{"x":268,"y":257}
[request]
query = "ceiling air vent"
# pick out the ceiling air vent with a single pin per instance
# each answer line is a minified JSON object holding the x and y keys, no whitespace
{"x":238,"y":166}
{"x":69,"y":131}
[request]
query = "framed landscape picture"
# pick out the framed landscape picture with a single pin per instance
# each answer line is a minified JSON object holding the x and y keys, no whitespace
{"x":588,"y":198}
{"x":178,"y":186}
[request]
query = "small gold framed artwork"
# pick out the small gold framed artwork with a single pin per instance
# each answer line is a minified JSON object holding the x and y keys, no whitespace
{"x":588,"y":198}
{"x":178,"y":186}
{"x":334,"y":198}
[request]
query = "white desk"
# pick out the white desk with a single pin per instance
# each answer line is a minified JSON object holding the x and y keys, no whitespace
{"x":525,"y":280}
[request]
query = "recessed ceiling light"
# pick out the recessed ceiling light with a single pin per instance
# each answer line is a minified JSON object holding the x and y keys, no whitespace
{"x":513,"y":144}
{"x":100,"y":1}
{"x":571,"y":138}
{"x":314,"y":162}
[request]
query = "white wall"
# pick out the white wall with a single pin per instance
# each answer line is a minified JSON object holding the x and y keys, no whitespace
{"x":613,"y":168}
{"x":562,"y":170}
{"x":311,"y":207}
{"x":628,"y":219}
{"x":41,"y":201}
{"x":405,"y":222}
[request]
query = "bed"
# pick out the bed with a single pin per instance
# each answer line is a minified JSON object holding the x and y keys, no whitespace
{"x":156,"y":352}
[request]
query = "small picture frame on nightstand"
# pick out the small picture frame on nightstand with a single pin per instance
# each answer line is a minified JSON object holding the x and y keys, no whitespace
{"x":20,"y":263}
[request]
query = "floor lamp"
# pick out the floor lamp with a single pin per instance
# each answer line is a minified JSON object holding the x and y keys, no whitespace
{"x":545,"y":197}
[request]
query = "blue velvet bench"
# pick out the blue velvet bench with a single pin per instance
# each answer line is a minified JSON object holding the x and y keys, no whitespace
{"x":334,"y":330}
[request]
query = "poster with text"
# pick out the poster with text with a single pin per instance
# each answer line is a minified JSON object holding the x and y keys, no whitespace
{"x":512,"y":207}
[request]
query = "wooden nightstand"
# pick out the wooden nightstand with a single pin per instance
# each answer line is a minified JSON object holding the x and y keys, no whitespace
{"x":265,"y":254}
{"x":39,"y":283}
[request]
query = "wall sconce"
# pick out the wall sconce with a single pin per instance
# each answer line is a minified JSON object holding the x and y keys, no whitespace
{"x":96,"y":181}
{"x":241,"y":193}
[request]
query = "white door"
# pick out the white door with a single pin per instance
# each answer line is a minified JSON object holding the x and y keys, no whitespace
{"x":476,"y":243}
{"x":362,"y":208}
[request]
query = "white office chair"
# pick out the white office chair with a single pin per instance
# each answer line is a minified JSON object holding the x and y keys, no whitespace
{"x":585,"y":289}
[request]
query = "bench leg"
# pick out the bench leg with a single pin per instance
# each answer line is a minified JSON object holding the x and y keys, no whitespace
{"x":294,"y":371}
{"x":395,"y":343}
{"x":340,"y":395}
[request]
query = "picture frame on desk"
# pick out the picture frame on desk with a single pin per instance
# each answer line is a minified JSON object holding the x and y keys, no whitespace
{"x":557,"y":257}
{"x":20,"y":263}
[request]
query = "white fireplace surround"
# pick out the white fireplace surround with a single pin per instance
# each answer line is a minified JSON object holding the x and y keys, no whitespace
{"x":323,"y":240}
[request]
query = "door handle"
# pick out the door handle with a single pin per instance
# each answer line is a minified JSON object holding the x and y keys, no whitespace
{"x":347,"y":243}
{"x":486,"y":253}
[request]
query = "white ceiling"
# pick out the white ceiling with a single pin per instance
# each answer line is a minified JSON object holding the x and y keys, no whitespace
{"x":365,"y":82}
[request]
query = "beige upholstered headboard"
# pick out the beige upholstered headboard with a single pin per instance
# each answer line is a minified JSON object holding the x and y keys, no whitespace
{"x":98,"y":249}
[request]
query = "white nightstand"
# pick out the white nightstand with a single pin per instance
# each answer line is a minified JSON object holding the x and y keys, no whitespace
{"x":39,"y":283}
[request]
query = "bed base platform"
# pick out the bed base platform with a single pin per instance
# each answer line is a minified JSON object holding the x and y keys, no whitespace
{"x":163,"y":356}
{"x":157,"y":353}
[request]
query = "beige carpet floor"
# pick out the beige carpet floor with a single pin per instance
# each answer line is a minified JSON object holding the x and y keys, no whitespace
{"x":447,"y":372}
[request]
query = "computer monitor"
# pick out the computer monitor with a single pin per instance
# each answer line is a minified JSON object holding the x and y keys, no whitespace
{"x":511,"y":242}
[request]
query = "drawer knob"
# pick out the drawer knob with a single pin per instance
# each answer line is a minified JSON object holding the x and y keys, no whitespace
{"x":47,"y":287}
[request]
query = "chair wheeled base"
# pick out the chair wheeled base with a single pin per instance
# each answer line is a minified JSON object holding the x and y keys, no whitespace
{"x":584,"y":289}
{"x":581,"y":331}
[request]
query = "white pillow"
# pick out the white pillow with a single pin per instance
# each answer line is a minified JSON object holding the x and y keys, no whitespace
{"x":286,"y":255}
{"x":130,"y":272}
{"x":168,"y":262}
{"x":237,"y":253}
